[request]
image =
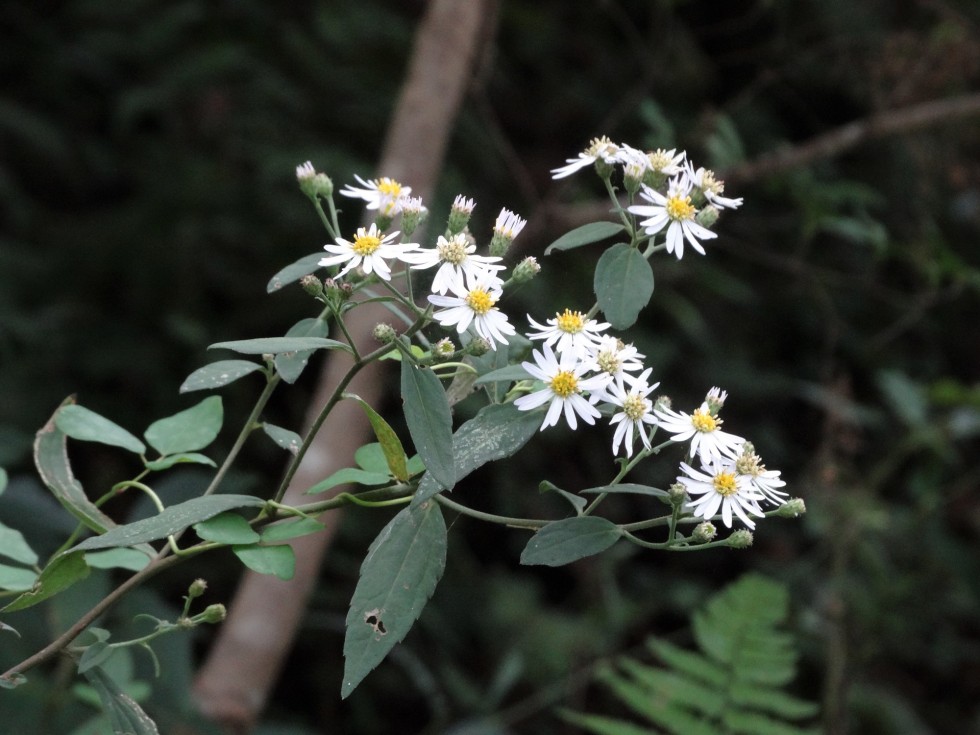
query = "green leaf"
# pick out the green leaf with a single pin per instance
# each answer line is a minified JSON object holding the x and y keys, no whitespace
{"x":497,"y":431}
{"x":51,"y":460}
{"x":398,"y":576}
{"x":278,"y":560}
{"x":584,"y":235}
{"x":125,"y":716}
{"x":94,"y":655}
{"x":170,"y":521}
{"x":570,"y":539}
{"x":599,"y":725}
{"x":430,"y":421}
{"x":371,"y":457}
{"x":218,"y":374}
{"x":290,"y":365}
{"x":293,"y":528}
{"x":16,"y":579}
{"x":189,"y":430}
{"x":80,"y":423}
{"x":63,"y":571}
{"x":131,"y":559}
{"x":226,"y":528}
{"x":508,"y":374}
{"x":627,"y":487}
{"x":623,"y":284}
{"x":278,"y":345}
{"x":349,"y":475}
{"x":169,"y":461}
{"x":13,"y":546}
{"x":388,"y":439}
{"x":288,"y":440}
{"x":396,"y":354}
{"x":3,"y":480}
{"x":578,"y":503}
{"x":291,"y":273}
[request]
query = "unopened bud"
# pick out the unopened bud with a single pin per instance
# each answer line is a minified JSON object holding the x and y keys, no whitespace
{"x":384,"y":333}
{"x":444,"y":348}
{"x":311,"y":284}
{"x":662,"y":403}
{"x":677,"y":493}
{"x":526,"y":270}
{"x":704,"y":532}
{"x":459,"y":215}
{"x":505,"y":229}
{"x":707,"y":216}
{"x":383,"y":220}
{"x":212,"y":614}
{"x":412,"y":214}
{"x":715,"y":400}
{"x":792,"y":508}
{"x":478,"y":346}
{"x":197,"y":588}
{"x":740,"y":539}
{"x":605,"y":170}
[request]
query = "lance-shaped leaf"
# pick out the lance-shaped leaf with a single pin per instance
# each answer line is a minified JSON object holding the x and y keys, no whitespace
{"x":497,"y":431}
{"x":584,"y":235}
{"x":125,"y":716}
{"x":14,"y":546}
{"x":398,"y":576}
{"x":627,"y":487}
{"x":188,"y":430}
{"x":290,"y":365}
{"x":288,"y":440}
{"x":51,"y":460}
{"x":278,"y":560}
{"x":278,"y":345}
{"x":570,"y":539}
{"x":430,"y":421}
{"x":294,"y":271}
{"x":170,"y":460}
{"x":292,"y":528}
{"x":623,"y":284}
{"x":63,"y":571}
{"x":169,"y":521}
{"x":80,"y":423}
{"x":390,"y":443}
{"x":218,"y":374}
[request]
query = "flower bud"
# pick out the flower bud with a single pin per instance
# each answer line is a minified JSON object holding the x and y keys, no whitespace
{"x":792,"y":508}
{"x":212,"y":614}
{"x":707,"y":216}
{"x":311,"y":284}
{"x":505,"y":229}
{"x":740,"y":539}
{"x":704,"y":532}
{"x":444,"y":348}
{"x":412,"y":214}
{"x":662,"y":403}
{"x":478,"y":347}
{"x":604,"y":169}
{"x":383,"y":220}
{"x":459,"y":215}
{"x":526,"y":270}
{"x":384,"y":333}
{"x":715,"y":400}
{"x":197,"y":588}
{"x":677,"y":493}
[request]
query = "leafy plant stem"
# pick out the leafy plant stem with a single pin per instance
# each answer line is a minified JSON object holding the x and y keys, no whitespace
{"x":490,"y":517}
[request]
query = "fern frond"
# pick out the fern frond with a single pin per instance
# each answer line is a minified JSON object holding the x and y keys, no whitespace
{"x":600,"y":725}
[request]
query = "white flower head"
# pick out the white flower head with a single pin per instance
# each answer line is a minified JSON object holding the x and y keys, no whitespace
{"x":636,"y":411}
{"x":457,"y":263}
{"x":720,"y":487}
{"x":749,"y":465}
{"x":384,"y":194}
{"x":508,"y":224}
{"x":669,"y":163}
{"x":475,"y":304}
{"x":370,"y":249}
{"x":712,"y":188}
{"x":305,"y":171}
{"x":565,"y":388}
{"x":610,"y":355}
{"x":572,"y":332}
{"x":600,"y":149}
{"x":708,"y":441}
{"x":635,"y":162}
{"x":674,"y":211}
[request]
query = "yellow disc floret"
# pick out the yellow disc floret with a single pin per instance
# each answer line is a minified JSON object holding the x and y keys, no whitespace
{"x":724,"y":483}
{"x":564,"y":384}
{"x":452,"y":251}
{"x":680,"y":208}
{"x":704,"y":421}
{"x":571,"y":321}
{"x":389,"y":187}
{"x":635,"y":407}
{"x":480,"y":301}
{"x":365,"y":244}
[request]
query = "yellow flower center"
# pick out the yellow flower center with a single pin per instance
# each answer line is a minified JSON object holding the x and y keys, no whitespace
{"x":680,"y":208}
{"x":704,"y":421}
{"x":452,"y":251}
{"x":366,"y":244}
{"x":390,"y":188}
{"x":608,"y":362}
{"x":635,"y":407}
{"x":571,"y":321}
{"x":749,"y":464}
{"x":724,"y":483}
{"x":480,"y":301}
{"x":564,"y":384}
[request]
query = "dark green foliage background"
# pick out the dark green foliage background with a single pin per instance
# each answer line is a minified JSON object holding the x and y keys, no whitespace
{"x":147,"y":194}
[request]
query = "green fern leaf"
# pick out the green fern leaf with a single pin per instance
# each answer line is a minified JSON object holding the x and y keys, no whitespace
{"x":600,"y":725}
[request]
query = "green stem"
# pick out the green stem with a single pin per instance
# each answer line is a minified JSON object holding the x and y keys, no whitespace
{"x":332,"y":229}
{"x":490,"y":517}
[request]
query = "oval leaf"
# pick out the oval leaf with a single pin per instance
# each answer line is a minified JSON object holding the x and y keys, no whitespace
{"x":277,"y":560}
{"x":61,"y":573}
{"x":226,"y":528}
{"x":288,"y":440}
{"x":188,"y":430}
{"x":218,"y":374}
{"x":497,"y":431}
{"x":16,"y":579}
{"x":80,"y":423}
{"x":592,"y":232}
{"x":623,"y":284}
{"x":14,"y":546}
{"x":117,"y":559}
{"x":390,"y":443}
{"x":169,"y":521}
{"x":398,"y":576}
{"x":290,"y":365}
{"x":293,"y":272}
{"x":293,"y":528}
{"x":125,"y":716}
{"x":430,"y":421}
{"x":570,"y":539}
{"x":278,"y":345}
{"x":349,"y":476}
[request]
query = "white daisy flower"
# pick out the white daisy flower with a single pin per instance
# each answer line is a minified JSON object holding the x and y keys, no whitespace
{"x":475,"y":304}
{"x":674,"y":211}
{"x":369,"y":250}
{"x":704,"y":179}
{"x":457,"y":263}
{"x":636,"y":411}
{"x":571,"y":330}
{"x":611,"y":355}
{"x":600,"y":149}
{"x":669,"y":163}
{"x":721,"y":487}
{"x":701,"y":427}
{"x":749,"y":464}
{"x":564,"y":387}
{"x":384,"y":194}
